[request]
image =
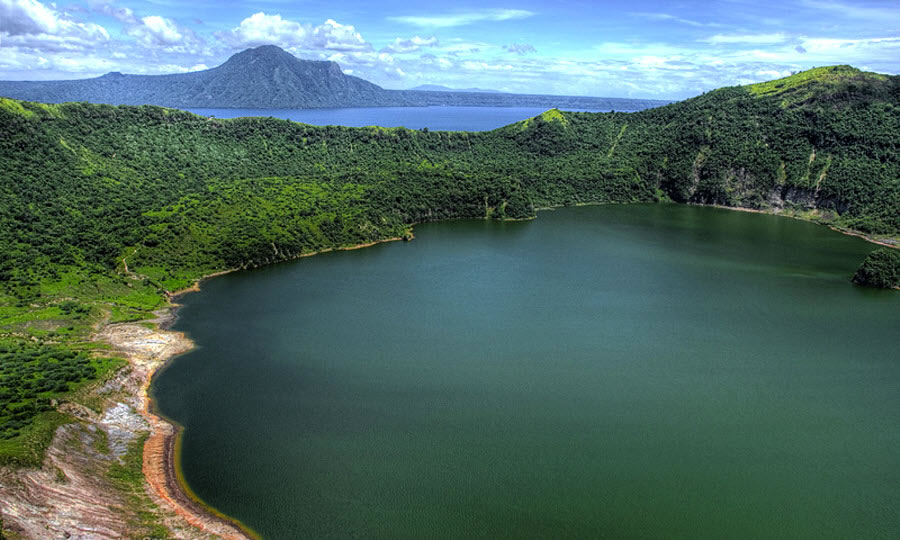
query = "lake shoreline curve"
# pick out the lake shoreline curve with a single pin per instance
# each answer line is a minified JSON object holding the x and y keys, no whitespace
{"x":161,"y":464}
{"x":148,"y":350}
{"x":149,"y":346}
{"x":161,"y":455}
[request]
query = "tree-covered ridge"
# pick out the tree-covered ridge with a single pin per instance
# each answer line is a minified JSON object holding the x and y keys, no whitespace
{"x":93,"y":183}
{"x":109,"y":206}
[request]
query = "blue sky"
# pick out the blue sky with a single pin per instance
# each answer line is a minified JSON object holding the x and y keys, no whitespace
{"x":635,"y":48}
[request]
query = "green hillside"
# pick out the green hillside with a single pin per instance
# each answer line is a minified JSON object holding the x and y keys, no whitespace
{"x":87,"y":189}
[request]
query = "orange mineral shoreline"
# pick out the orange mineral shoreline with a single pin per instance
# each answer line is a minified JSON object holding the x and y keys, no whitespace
{"x":161,"y":450}
{"x":148,"y":350}
{"x":161,"y":464}
{"x":161,"y":469}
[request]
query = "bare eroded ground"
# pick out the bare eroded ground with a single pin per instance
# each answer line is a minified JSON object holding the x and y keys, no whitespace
{"x":79,"y":491}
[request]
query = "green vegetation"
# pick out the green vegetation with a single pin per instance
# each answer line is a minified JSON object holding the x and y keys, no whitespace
{"x":128,"y":477}
{"x":880,"y":269}
{"x":27,"y":448}
{"x":812,"y":83}
{"x":32,"y":378}
{"x":103,"y":209}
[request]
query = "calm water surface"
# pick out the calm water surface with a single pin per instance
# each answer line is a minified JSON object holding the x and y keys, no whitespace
{"x":436,"y":118}
{"x":634,"y":371}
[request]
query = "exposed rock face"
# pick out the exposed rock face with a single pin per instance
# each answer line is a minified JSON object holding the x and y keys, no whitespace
{"x":70,"y":495}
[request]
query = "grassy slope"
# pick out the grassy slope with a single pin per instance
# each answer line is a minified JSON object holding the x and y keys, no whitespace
{"x":89,"y":189}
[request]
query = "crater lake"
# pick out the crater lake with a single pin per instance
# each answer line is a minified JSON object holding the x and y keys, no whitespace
{"x":630,"y":371}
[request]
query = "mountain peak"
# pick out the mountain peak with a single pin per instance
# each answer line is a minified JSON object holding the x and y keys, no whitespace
{"x":268,"y":53}
{"x":271,"y":55}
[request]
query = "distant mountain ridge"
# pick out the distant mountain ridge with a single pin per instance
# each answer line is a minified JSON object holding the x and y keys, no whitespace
{"x":267,"y":77}
{"x":442,"y":88}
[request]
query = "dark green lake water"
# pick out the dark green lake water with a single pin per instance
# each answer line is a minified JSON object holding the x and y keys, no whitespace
{"x":631,"y":371}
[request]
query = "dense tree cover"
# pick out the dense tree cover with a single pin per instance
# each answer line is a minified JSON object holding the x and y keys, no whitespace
{"x":93,"y":183}
{"x":86,"y":189}
{"x":32,"y":375}
{"x":880,"y":269}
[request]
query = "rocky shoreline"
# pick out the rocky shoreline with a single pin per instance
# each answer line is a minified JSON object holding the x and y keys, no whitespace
{"x":77,"y":492}
{"x":151,"y":349}
{"x":70,"y":496}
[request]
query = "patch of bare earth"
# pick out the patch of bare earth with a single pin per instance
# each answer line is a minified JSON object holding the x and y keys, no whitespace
{"x":73,"y":494}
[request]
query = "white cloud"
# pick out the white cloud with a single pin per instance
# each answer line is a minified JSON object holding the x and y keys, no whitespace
{"x":263,"y":29}
{"x":41,"y":66}
{"x":485,"y":66}
{"x":457,"y":47}
{"x":333,"y":36}
{"x":23,"y":17}
{"x":31,"y":24}
{"x":154,"y":31}
{"x":161,"y":31}
{"x":831,"y":44}
{"x":768,"y":74}
{"x":462,"y":19}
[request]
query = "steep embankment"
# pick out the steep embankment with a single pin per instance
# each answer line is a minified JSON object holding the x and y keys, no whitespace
{"x":86,"y":189}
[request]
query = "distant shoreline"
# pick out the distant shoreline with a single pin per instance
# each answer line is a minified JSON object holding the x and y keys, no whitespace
{"x":890,"y":242}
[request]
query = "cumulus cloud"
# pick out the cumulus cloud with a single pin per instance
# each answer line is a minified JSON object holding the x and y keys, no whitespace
{"x":159,"y":31}
{"x":334,"y":36}
{"x":520,"y":48}
{"x":23,"y":17}
{"x":31,"y":24}
{"x":413,"y":44}
{"x":263,"y":29}
{"x":154,"y":31}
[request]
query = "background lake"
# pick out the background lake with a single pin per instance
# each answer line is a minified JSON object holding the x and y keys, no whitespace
{"x":434,"y":118}
{"x":648,"y":371}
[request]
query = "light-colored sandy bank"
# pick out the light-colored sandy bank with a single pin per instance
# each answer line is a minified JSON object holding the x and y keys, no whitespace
{"x":73,"y":494}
